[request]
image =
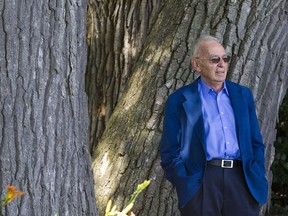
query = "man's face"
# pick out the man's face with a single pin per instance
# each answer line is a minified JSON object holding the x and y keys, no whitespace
{"x":214,"y":74}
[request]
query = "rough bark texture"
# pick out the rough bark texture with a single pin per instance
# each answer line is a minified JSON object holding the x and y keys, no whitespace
{"x":43,"y":108}
{"x":115,"y":36}
{"x":254,"y":33}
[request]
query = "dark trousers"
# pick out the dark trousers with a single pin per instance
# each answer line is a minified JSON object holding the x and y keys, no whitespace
{"x":223,"y":193}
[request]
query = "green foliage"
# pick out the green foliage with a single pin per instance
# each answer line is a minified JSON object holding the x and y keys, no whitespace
{"x":139,"y":189}
{"x":280,"y":164}
{"x":112,"y":211}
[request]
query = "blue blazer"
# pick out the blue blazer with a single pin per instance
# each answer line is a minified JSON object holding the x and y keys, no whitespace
{"x":182,"y":149}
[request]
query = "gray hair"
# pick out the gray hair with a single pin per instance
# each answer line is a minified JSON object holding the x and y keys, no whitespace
{"x":195,"y":49}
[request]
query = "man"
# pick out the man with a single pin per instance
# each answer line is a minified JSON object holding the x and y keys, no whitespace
{"x":211,"y":148}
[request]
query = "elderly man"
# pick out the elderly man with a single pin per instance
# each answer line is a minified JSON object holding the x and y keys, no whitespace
{"x":211,"y":147}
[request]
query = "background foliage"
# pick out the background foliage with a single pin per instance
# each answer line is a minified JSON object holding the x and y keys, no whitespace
{"x":280,"y":165}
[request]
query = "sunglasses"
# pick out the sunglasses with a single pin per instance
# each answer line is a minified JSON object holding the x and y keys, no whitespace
{"x":216,"y":59}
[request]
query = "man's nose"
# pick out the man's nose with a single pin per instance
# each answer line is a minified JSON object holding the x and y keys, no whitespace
{"x":221,"y":63}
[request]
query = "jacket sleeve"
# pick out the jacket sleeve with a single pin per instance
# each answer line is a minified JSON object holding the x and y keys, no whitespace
{"x":254,"y":168}
{"x":256,"y":137}
{"x":170,"y":144}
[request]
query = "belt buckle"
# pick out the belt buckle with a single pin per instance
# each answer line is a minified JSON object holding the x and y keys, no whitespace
{"x":227,"y":166}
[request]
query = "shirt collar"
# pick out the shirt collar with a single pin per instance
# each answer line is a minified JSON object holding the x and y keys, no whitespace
{"x":206,"y":89}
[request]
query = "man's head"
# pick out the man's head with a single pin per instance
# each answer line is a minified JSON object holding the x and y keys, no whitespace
{"x":210,"y":61}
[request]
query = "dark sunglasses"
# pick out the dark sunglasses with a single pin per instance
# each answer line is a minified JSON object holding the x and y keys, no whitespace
{"x":216,"y":59}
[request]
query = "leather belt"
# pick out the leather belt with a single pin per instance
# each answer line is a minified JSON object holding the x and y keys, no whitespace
{"x":225,"y":163}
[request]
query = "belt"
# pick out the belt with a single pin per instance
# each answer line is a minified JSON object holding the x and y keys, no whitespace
{"x":225,"y":163}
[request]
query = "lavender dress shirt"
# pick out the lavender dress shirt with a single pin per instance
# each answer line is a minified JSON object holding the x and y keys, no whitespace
{"x":219,"y":123}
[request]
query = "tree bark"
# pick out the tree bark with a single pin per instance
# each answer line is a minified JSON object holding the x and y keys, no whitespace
{"x":254,"y":33}
{"x":44,"y":109}
{"x":115,"y":36}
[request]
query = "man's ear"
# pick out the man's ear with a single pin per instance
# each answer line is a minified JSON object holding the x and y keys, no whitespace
{"x":195,"y":65}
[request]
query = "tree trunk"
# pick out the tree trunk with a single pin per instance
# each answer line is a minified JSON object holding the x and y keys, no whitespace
{"x":254,"y":33}
{"x":115,"y":36}
{"x":44,"y":109}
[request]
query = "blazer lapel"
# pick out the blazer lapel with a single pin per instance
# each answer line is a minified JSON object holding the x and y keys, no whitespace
{"x":193,"y":110}
{"x":236,"y":97}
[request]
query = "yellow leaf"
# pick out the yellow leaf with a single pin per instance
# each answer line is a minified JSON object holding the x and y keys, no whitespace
{"x":128,"y":208}
{"x":108,"y":208}
{"x":114,"y":208}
